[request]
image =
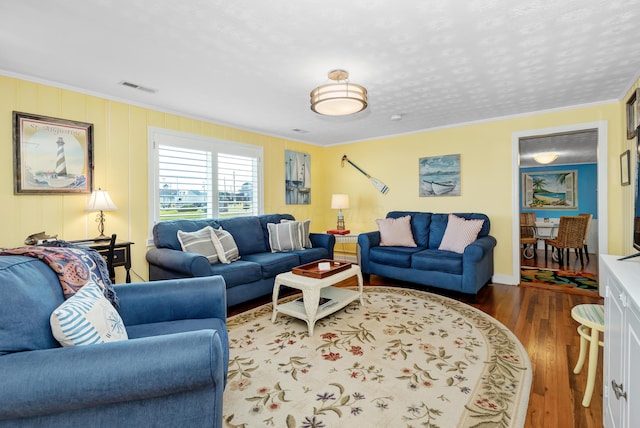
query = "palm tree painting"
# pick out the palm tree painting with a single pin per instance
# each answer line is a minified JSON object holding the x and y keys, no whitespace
{"x":550,"y":190}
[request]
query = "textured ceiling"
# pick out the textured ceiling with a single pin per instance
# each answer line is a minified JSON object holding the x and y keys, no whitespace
{"x":251,"y":64}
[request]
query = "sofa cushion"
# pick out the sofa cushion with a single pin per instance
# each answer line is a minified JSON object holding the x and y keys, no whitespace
{"x":199,"y":242}
{"x":439,"y":225}
{"x":396,"y":232}
{"x":309,"y":255}
{"x":238,"y":273}
{"x":247,"y":232}
{"x":24,"y":318}
{"x":438,"y":260}
{"x":165,"y":233}
{"x":226,"y":247}
{"x":305,"y":227}
{"x":459,"y":233}
{"x":265,"y":219}
{"x":285,"y":236}
{"x":393,"y":256}
{"x":87,"y":318}
{"x":420,"y":223}
{"x":274,"y":263}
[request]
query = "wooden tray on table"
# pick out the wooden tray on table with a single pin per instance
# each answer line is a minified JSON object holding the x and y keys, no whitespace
{"x":313,"y":270}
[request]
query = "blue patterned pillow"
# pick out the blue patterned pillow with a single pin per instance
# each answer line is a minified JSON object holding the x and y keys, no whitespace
{"x":87,"y":318}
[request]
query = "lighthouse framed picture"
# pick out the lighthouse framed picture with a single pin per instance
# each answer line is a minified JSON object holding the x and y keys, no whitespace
{"x":51,"y":155}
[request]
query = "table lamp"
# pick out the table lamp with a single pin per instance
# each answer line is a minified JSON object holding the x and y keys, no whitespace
{"x":100,"y":201}
{"x":340,"y":202}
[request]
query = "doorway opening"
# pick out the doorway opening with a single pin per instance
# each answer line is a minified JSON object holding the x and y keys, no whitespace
{"x":574,"y":156}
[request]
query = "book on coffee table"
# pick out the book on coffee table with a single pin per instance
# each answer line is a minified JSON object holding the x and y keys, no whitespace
{"x":324,"y":302}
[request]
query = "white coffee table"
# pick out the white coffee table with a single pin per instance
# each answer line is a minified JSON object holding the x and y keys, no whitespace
{"x":312,"y":289}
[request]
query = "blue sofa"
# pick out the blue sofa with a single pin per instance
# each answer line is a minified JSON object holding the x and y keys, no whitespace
{"x":426,"y":264}
{"x":170,"y":373}
{"x":248,"y":278}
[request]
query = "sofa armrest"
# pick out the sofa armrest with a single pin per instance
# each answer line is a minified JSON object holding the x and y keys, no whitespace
{"x":323,"y":240}
{"x":172,"y":299}
{"x":187,"y":264}
{"x":366,"y":241}
{"x":477,"y":250}
{"x":64,"y":379}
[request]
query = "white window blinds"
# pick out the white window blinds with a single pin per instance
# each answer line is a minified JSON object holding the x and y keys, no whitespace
{"x":194,"y":177}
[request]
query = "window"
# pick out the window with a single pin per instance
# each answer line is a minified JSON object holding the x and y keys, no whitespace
{"x":194,"y":177}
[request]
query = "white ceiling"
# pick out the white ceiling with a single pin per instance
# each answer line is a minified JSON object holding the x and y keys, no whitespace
{"x":251,"y":64}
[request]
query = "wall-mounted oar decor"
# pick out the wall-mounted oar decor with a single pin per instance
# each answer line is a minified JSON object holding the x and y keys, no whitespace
{"x":376,"y":183}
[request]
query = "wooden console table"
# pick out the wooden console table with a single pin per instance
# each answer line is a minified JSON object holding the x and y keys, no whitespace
{"x":121,"y":253}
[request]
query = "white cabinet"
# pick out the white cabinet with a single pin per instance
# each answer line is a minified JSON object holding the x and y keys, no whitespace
{"x":621,"y":282}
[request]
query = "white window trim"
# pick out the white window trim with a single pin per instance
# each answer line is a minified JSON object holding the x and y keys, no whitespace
{"x":197,"y":142}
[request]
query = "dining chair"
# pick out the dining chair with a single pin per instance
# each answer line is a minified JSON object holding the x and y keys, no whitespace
{"x":110,"y":259}
{"x":528,"y":235}
{"x":570,"y":236}
{"x":587,"y":227}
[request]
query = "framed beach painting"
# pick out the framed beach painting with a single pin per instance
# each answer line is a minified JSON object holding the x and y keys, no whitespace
{"x":439,"y":176}
{"x":550,"y":190}
{"x":51,"y":155}
{"x":297,"y":178}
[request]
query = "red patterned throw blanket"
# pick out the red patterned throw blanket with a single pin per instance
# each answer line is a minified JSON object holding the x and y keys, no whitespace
{"x":75,"y":266}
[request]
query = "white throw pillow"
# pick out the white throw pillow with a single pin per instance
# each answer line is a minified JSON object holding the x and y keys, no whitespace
{"x":199,"y":242}
{"x":87,"y":318}
{"x":305,"y":227}
{"x":396,"y":232}
{"x":226,"y":246}
{"x":284,"y":236}
{"x":460,"y":233}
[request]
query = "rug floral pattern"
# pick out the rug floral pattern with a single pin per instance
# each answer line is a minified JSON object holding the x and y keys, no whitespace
{"x":406,"y":359}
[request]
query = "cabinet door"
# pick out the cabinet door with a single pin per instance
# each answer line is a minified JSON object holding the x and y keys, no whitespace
{"x":613,"y":352}
{"x":632,"y":380}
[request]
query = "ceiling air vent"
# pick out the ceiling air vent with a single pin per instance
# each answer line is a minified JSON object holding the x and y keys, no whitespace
{"x":135,"y":86}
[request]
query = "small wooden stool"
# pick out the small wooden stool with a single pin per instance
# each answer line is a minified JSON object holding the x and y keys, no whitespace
{"x":591,"y":319}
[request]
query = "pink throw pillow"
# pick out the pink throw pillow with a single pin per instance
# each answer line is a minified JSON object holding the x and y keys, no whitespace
{"x":396,"y":232}
{"x":460,"y":233}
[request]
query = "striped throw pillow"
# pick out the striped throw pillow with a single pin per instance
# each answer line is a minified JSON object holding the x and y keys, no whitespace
{"x":87,"y":318}
{"x":199,"y":242}
{"x":226,"y":246}
{"x":285,"y":236}
{"x":305,"y":227}
{"x":460,"y":233}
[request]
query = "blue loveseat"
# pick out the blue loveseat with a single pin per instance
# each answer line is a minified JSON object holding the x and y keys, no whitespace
{"x":426,"y":264}
{"x":170,"y":373}
{"x":248,"y":278}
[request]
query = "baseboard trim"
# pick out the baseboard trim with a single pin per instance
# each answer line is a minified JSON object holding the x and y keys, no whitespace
{"x":505,"y":279}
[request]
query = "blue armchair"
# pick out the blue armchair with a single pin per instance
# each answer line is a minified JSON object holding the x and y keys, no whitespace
{"x":171,"y":371}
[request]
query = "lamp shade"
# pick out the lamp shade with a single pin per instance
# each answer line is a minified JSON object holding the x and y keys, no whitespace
{"x":339,"y":201}
{"x":101,"y":201}
{"x":340,"y":98}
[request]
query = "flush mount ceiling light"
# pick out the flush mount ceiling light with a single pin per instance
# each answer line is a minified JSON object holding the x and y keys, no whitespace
{"x":545,"y":157}
{"x":340,"y":98}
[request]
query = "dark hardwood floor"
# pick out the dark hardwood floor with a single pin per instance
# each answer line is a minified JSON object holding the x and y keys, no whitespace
{"x":541,"y":319}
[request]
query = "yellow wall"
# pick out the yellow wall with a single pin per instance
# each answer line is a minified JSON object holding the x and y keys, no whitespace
{"x":486,"y":165}
{"x":120,"y":159}
{"x":120,"y":150}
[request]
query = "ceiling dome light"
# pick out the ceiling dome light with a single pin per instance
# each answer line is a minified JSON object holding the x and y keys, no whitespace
{"x":545,"y":157}
{"x":340,"y":98}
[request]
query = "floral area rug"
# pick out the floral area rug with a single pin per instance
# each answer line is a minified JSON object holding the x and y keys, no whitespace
{"x":583,"y":282}
{"x":408,"y":358}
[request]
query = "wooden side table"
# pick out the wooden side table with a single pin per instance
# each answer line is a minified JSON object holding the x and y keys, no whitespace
{"x":121,"y":253}
{"x":312,"y":289}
